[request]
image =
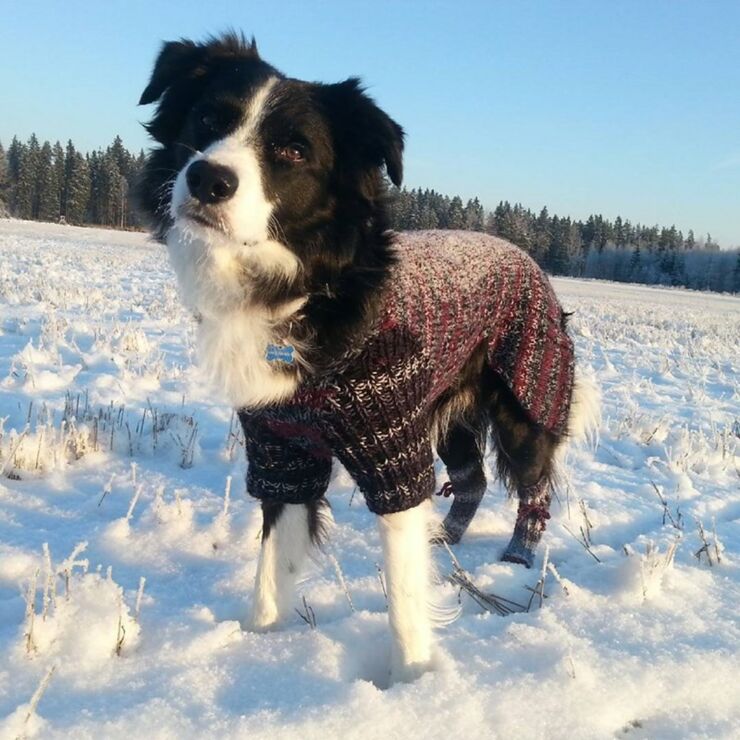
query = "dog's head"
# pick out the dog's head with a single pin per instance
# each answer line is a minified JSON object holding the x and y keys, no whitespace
{"x":247,"y":155}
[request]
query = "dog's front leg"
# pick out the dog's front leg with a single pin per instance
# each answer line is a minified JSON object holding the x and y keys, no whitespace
{"x":406,"y":552}
{"x":286,"y":537}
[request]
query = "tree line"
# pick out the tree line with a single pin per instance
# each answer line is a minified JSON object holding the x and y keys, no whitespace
{"x":45,"y":182}
{"x":596,"y":248}
{"x":48,"y":182}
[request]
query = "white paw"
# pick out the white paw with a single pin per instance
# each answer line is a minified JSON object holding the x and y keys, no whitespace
{"x":408,"y":672}
{"x":263,"y":618}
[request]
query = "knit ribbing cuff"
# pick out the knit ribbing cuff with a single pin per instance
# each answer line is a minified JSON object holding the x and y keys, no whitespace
{"x":531,"y":520}
{"x":286,"y":487}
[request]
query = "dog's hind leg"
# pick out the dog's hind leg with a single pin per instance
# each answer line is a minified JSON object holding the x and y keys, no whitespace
{"x":406,"y":552}
{"x":525,"y":461}
{"x":462,"y":453}
{"x":288,"y":530}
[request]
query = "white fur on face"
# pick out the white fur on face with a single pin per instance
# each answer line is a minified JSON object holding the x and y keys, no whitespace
{"x":215,"y":282}
{"x":245,"y":216}
{"x":216,"y":270}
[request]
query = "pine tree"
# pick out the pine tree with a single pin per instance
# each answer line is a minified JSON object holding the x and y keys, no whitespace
{"x":634,"y":266}
{"x":474,"y":215}
{"x":22,"y":199}
{"x":32,"y":164}
{"x":500,"y":219}
{"x":3,"y":177}
{"x":542,"y":236}
{"x":94,"y":209}
{"x":573,"y":248}
{"x":490,"y":224}
{"x":619,"y":232}
{"x":15,"y":151}
{"x":57,"y":154}
{"x":557,"y":256}
{"x":47,"y":186}
{"x":456,"y":216}
{"x":77,"y":186}
{"x":428,"y":218}
{"x":120,"y":182}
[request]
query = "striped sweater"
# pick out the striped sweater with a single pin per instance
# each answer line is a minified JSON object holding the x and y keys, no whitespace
{"x":448,"y":293}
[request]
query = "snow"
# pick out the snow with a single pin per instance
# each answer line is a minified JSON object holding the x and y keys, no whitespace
{"x":116,"y":455}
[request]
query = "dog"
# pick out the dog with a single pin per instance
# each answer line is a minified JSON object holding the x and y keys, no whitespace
{"x":335,"y":338}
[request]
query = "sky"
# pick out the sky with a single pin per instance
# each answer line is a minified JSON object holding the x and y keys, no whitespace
{"x":627,"y":108}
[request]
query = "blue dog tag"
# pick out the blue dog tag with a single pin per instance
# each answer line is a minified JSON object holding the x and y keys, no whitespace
{"x":280,"y":353}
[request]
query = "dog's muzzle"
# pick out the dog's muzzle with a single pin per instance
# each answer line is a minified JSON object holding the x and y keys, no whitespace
{"x":211,"y":183}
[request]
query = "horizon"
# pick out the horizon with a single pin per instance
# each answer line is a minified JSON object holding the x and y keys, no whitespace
{"x":584,"y":109}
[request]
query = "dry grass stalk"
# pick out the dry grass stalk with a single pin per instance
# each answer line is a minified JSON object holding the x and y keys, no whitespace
{"x":308,"y":617}
{"x":572,"y":665}
{"x":539,"y":589}
{"x":50,"y":589}
{"x":716,"y":541}
{"x":108,"y":488}
{"x":381,"y":578}
{"x":227,"y":494}
{"x":187,"y":448}
{"x":31,"y":613}
{"x":342,"y":581}
{"x":554,"y":571}
{"x":586,"y":544}
{"x":135,"y":498}
{"x":14,"y":450}
{"x":40,"y":689}
{"x":582,"y":505}
{"x":652,"y":565}
{"x":677,"y":522}
{"x":121,"y":630}
{"x":139,"y":595}
{"x":67,"y":566}
{"x":489,"y":601}
{"x":706,"y":548}
{"x":235,"y":436}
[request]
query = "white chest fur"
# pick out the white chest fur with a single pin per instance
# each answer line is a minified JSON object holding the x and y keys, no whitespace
{"x":215,"y":279}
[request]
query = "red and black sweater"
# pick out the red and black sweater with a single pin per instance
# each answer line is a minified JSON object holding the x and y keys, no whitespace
{"x":448,"y":293}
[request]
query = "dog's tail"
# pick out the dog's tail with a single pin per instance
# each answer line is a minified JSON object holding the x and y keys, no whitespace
{"x":585,"y":410}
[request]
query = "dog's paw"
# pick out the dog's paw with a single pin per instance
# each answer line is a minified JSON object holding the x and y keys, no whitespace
{"x":517,"y":552}
{"x":407,"y":673}
{"x":263,"y":618}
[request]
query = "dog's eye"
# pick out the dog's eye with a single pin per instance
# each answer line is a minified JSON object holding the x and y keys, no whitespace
{"x":209,"y":121}
{"x":292,"y":152}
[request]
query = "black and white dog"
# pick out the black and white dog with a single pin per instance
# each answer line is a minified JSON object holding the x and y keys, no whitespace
{"x":269,"y":194}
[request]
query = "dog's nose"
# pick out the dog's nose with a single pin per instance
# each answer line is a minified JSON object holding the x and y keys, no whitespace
{"x":210,"y":182}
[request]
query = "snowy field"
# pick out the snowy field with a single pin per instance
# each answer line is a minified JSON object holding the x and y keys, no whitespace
{"x":114,"y":469}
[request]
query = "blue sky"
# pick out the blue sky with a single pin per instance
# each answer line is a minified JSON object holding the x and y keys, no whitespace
{"x":628,"y":108}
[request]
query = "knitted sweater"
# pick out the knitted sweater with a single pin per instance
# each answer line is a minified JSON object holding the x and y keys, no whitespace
{"x":448,"y":293}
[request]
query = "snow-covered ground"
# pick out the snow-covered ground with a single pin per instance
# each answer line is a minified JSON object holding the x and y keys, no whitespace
{"x":114,"y":462}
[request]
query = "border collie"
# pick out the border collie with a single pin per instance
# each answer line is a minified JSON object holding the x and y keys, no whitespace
{"x":337,"y":339}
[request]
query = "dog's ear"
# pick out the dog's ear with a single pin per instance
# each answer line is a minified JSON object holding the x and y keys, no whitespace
{"x":365,"y":131}
{"x":180,"y":74}
{"x":176,"y":59}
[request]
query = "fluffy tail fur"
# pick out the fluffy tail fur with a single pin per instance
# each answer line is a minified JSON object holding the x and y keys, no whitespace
{"x":585,"y":410}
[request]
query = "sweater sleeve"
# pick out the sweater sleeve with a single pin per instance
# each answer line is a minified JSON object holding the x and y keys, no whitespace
{"x":381,"y":429}
{"x":288,"y":461}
